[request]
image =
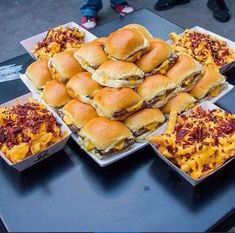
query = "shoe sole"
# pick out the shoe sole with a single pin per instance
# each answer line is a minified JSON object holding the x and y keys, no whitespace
{"x":122,"y":14}
{"x":218,"y":19}
{"x":171,"y":6}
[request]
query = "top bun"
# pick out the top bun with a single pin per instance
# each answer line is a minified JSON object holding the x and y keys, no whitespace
{"x":64,"y":66}
{"x":82,"y":86}
{"x":144,"y":118}
{"x":118,"y":74}
{"x":185,"y":67}
{"x":104,"y":134}
{"x":210,"y":79}
{"x":91,"y":55}
{"x":78,"y":113}
{"x":158,"y":53}
{"x":38,"y":72}
{"x":102,"y":40}
{"x":181,"y":102}
{"x":155,"y":85}
{"x":110,"y":101}
{"x":55,"y":94}
{"x":126,"y":44}
{"x":141,"y":29}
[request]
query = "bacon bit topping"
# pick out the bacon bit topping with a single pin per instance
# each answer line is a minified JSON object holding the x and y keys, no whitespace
{"x":200,"y":142}
{"x":203,"y":47}
{"x":20,"y":118}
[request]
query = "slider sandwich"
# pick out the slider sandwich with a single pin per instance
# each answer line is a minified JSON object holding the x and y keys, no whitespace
{"x":141,"y":29}
{"x":82,"y":87}
{"x":55,"y":94}
{"x":116,"y":104}
{"x":118,"y":74}
{"x":156,"y":90}
{"x":91,"y":55}
{"x":76,"y":114}
{"x":185,"y":72}
{"x":144,"y":122}
{"x":159,"y":58}
{"x":209,"y":85}
{"x":39,"y":73}
{"x":64,"y":66}
{"x":181,"y":103}
{"x":126,"y":44}
{"x":103,"y":137}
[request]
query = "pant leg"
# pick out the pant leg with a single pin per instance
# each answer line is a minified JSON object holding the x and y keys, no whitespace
{"x":91,"y":7}
{"x":117,"y":1}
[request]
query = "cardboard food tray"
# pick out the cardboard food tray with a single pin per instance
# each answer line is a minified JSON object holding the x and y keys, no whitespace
{"x":207,"y":105}
{"x":230,"y":43}
{"x":29,"y":43}
{"x":33,"y":159}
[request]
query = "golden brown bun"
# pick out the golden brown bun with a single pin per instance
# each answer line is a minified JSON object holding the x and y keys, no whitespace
{"x":144,"y":117}
{"x":55,"y":94}
{"x":82,"y":86}
{"x":181,"y":102}
{"x":104,"y":134}
{"x":184,"y":67}
{"x":72,"y":50}
{"x":155,"y":85}
{"x":91,"y":55}
{"x":110,"y":100}
{"x":210,"y":79}
{"x":159,"y":52}
{"x":141,"y":29}
{"x":64,"y":65}
{"x":102,"y":40}
{"x":39,"y":73}
{"x":126,"y":45}
{"x":116,"y":73}
{"x":78,"y":113}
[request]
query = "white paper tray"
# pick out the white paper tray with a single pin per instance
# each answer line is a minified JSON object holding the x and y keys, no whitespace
{"x":33,"y":159}
{"x":29,"y":43}
{"x":115,"y":157}
{"x":230,"y":43}
{"x":207,"y":105}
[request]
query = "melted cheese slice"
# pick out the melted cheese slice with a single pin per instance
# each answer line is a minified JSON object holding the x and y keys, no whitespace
{"x":151,"y":126}
{"x":189,"y":81}
{"x":120,"y":145}
{"x":215,"y":91}
{"x":89,"y":146}
{"x":67,"y":120}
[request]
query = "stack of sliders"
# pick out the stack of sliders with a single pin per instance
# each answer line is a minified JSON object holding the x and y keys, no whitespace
{"x":115,"y":90}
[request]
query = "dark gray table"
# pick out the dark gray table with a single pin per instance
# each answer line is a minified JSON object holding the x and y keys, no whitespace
{"x":70,"y":192}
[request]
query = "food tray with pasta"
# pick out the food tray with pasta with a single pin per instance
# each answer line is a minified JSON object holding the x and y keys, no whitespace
{"x":30,"y":43}
{"x":30,"y":131}
{"x":197,"y":143}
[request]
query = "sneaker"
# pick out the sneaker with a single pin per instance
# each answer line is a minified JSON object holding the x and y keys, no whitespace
{"x":220,"y":10}
{"x":88,"y":22}
{"x":162,"y":5}
{"x":122,"y":8}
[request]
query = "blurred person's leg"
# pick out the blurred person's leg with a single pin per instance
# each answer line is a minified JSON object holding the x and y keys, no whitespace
{"x":121,"y":6}
{"x":220,"y":10}
{"x":89,"y":13}
{"x":162,"y":5}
